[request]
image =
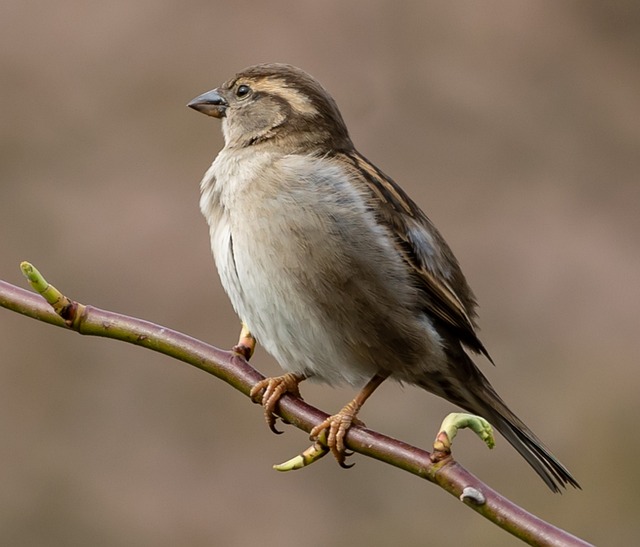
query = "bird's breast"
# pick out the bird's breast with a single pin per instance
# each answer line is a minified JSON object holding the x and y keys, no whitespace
{"x":307,"y":267}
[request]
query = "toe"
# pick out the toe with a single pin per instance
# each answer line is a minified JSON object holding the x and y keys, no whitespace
{"x":335,"y":429}
{"x":272,"y":390}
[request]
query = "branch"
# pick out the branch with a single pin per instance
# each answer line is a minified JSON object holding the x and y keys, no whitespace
{"x":235,"y":370}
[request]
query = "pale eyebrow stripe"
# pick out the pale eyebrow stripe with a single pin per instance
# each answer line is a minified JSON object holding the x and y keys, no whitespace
{"x":298,"y":101}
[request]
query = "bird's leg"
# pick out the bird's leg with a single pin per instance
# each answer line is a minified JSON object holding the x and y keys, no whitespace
{"x":274,"y":388}
{"x":246,"y":343}
{"x":336,"y":426}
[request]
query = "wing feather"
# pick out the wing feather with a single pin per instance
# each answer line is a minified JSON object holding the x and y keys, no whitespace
{"x":447,"y":295}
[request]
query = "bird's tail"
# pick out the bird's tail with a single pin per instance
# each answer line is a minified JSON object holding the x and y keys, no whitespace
{"x":478,"y":397}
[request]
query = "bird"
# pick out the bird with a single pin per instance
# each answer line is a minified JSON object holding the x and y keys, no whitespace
{"x":333,"y":268}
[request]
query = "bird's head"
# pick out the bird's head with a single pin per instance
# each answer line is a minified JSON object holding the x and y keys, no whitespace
{"x":275,"y":102}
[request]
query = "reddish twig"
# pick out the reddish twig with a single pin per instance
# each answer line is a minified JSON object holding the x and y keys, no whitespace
{"x":235,"y":370}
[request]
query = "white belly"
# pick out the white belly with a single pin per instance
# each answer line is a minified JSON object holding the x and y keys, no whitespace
{"x":284,"y":246}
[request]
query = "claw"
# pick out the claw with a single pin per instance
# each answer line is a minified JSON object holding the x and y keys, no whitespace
{"x":335,"y":428}
{"x":274,"y":389}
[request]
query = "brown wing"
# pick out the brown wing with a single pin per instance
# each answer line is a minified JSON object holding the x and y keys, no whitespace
{"x":447,"y":295}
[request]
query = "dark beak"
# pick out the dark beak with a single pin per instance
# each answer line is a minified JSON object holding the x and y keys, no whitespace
{"x":210,"y":103}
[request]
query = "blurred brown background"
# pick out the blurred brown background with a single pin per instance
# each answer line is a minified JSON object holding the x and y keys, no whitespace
{"x":516,"y":126}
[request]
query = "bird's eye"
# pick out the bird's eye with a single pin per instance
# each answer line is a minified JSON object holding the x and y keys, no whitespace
{"x":243,"y":91}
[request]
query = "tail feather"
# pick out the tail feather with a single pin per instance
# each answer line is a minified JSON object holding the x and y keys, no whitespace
{"x":474,"y":393}
{"x":552,"y":472}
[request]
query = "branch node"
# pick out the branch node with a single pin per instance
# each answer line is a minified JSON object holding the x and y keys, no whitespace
{"x":449,"y":429}
{"x":473,"y":495}
{"x":312,"y":454}
{"x":66,"y":308}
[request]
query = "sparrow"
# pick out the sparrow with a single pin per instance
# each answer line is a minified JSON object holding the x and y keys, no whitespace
{"x":332,"y":267}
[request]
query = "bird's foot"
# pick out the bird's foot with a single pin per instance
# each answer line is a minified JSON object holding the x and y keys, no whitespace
{"x":449,"y":429}
{"x":333,"y":430}
{"x":330,"y":434}
{"x":274,"y":389}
